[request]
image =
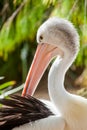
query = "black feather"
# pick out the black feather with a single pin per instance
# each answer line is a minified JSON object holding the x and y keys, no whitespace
{"x":20,"y":110}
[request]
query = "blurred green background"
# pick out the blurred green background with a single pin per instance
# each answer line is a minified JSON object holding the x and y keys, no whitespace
{"x":19,"y":21}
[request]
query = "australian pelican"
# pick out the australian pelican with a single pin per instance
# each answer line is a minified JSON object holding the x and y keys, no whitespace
{"x":58,"y":38}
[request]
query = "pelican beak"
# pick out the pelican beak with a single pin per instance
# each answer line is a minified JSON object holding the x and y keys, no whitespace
{"x":43,"y":55}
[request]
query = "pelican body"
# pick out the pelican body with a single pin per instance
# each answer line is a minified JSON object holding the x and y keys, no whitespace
{"x":58,"y":38}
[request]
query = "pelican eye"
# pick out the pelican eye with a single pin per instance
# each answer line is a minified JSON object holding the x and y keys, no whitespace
{"x":41,"y":38}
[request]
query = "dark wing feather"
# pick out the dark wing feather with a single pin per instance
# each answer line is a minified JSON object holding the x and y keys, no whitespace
{"x":19,"y":110}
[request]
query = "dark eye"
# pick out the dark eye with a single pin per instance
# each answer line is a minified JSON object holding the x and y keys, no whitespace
{"x":41,"y":38}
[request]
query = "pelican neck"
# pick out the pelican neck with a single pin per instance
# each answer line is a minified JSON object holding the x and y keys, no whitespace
{"x":58,"y":94}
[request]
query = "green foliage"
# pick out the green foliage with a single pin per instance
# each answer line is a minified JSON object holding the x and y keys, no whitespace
{"x":5,"y":85}
{"x":22,"y":25}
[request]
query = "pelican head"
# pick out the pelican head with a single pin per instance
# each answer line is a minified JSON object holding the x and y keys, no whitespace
{"x":60,"y":33}
{"x":56,"y":36}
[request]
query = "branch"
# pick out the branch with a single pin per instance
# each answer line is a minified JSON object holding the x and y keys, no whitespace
{"x":11,"y":91}
{"x":73,"y":8}
{"x":16,"y":12}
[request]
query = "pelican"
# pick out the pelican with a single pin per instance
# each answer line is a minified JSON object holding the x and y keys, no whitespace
{"x":58,"y":38}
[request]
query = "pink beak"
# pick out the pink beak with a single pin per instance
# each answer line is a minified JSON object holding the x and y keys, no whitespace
{"x":43,"y":55}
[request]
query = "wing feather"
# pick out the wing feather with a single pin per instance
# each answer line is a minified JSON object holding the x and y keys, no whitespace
{"x":19,"y":110}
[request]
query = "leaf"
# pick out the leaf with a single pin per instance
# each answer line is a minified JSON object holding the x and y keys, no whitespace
{"x":5,"y":85}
